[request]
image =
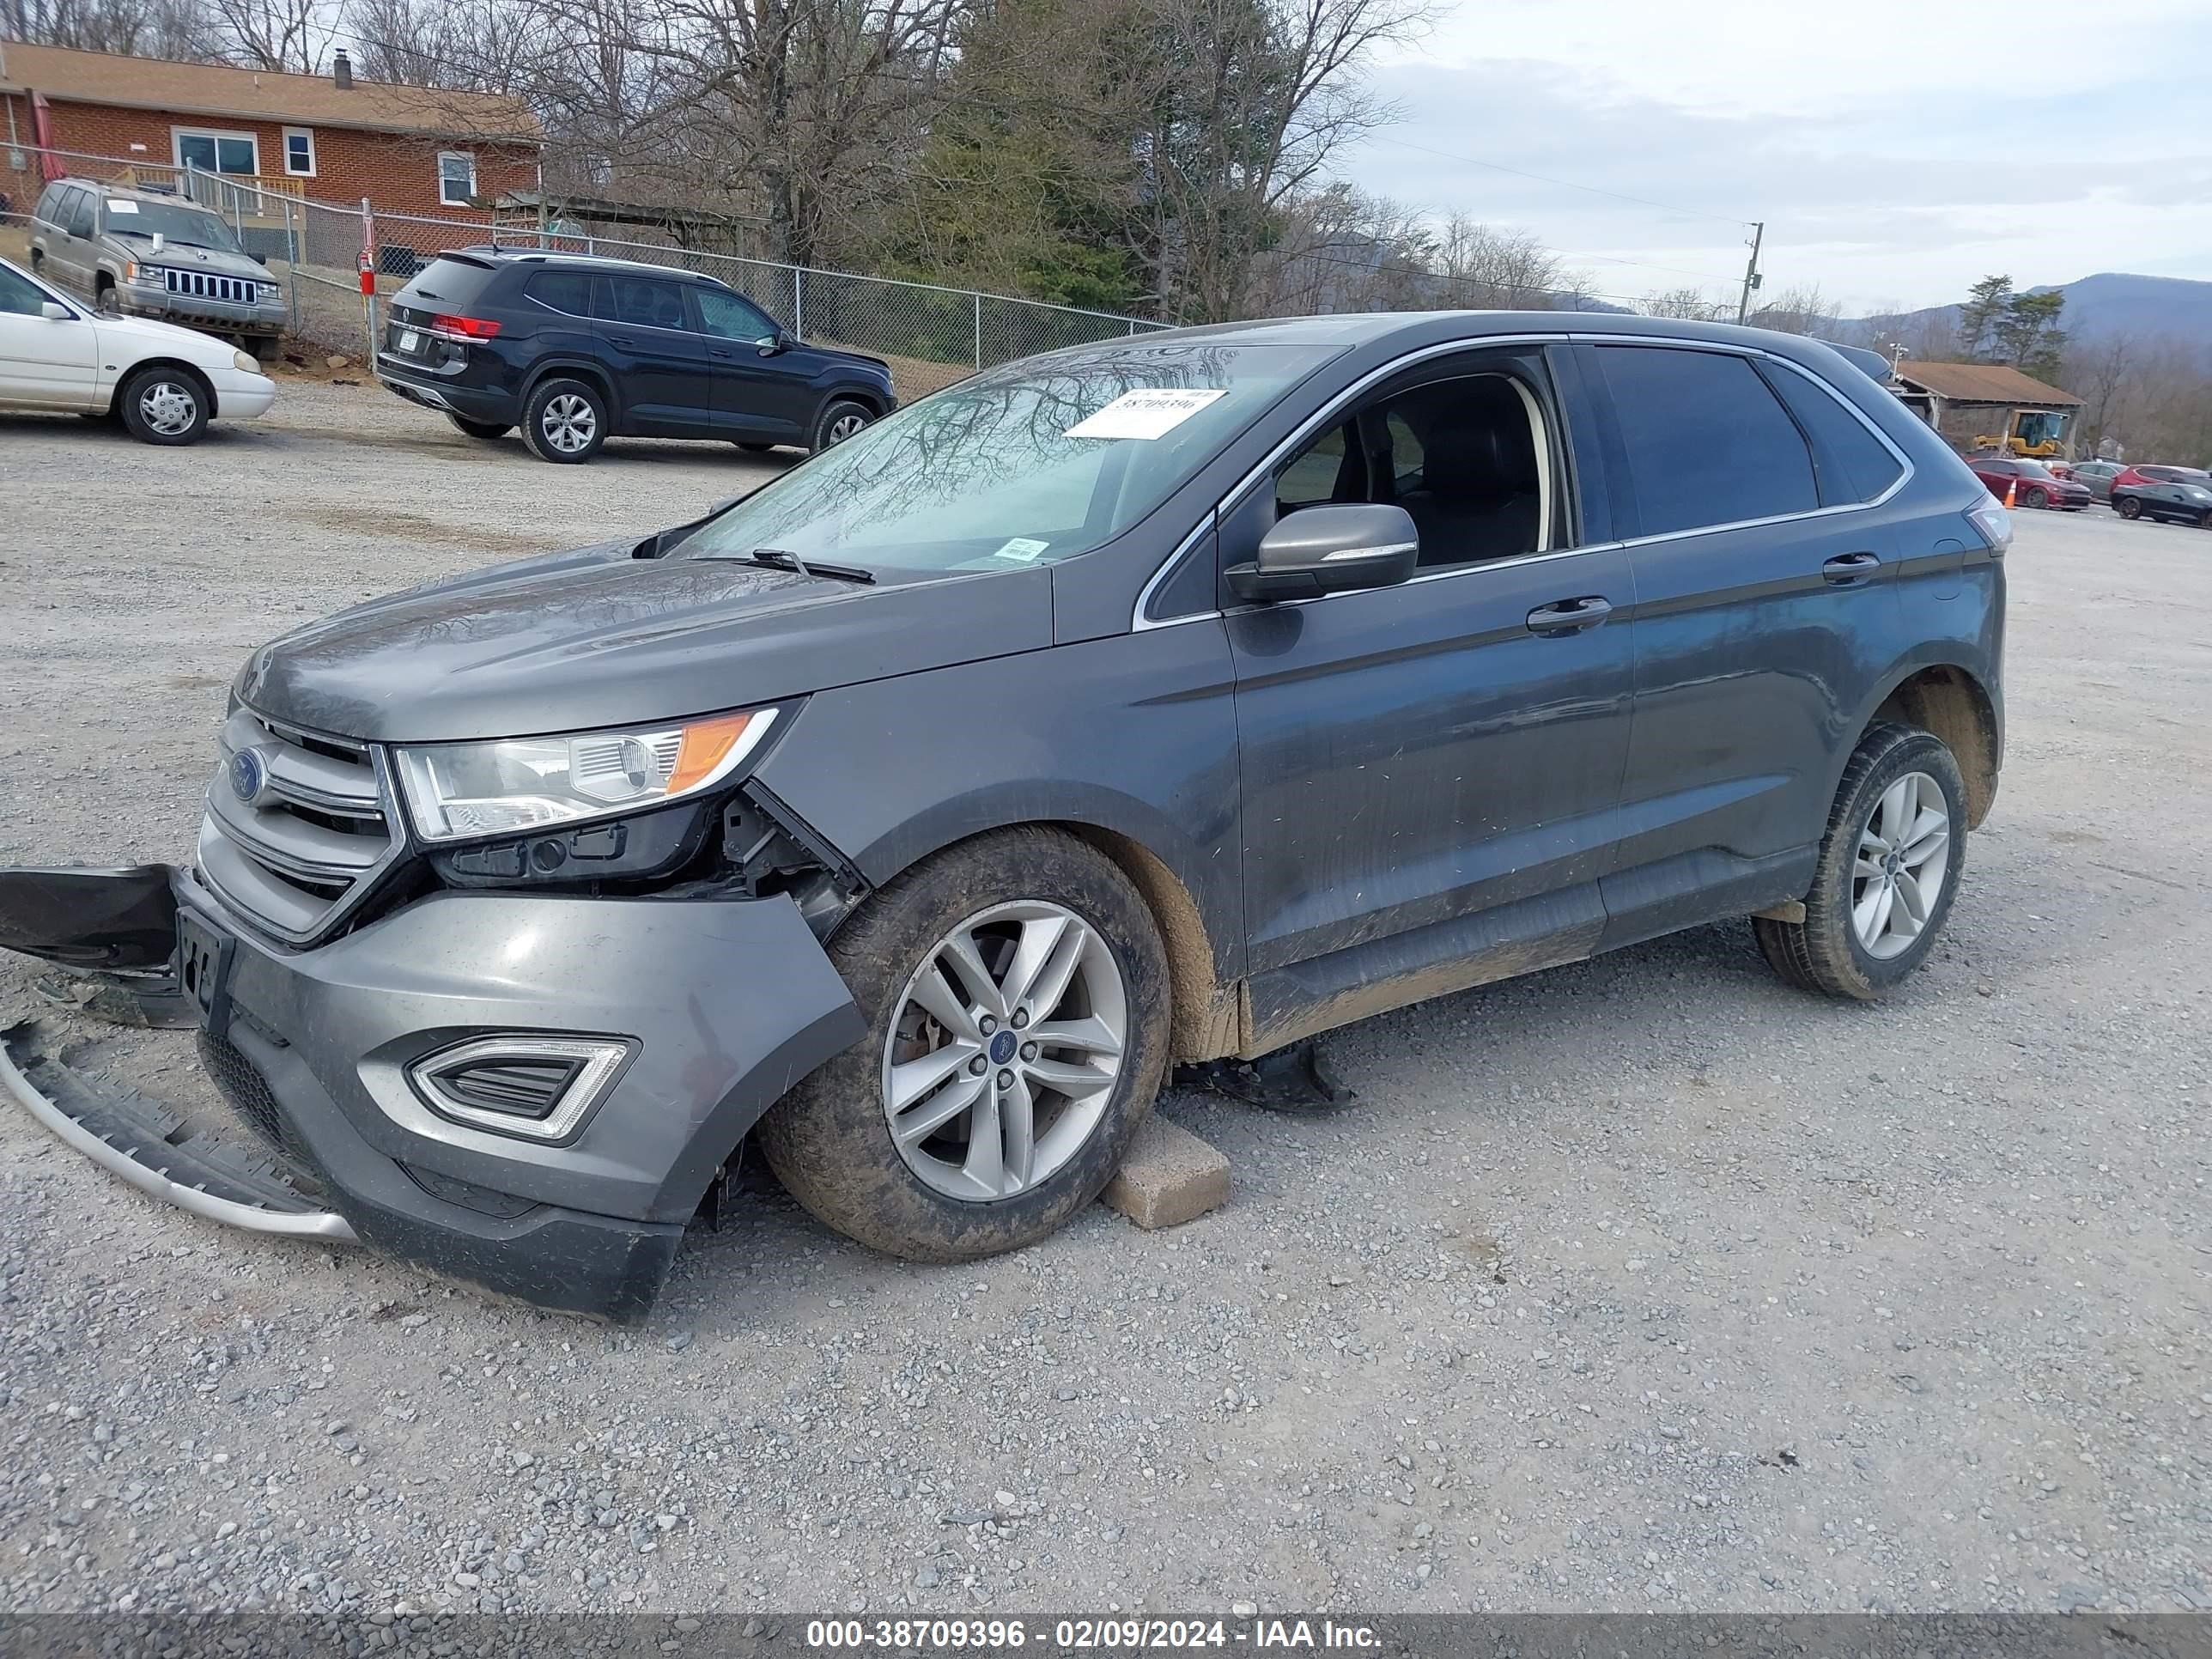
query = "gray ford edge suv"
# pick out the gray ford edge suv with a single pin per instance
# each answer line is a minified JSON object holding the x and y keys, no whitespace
{"x":1159,"y":701}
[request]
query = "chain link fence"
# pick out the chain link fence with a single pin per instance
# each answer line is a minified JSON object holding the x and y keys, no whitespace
{"x":338,"y":263}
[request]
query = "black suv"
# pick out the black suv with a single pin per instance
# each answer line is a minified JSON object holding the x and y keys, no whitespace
{"x":575,"y":350}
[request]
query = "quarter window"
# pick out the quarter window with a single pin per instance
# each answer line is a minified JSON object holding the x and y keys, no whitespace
{"x":456,"y":178}
{"x":565,"y":291}
{"x":1708,"y":442}
{"x":1854,"y":465}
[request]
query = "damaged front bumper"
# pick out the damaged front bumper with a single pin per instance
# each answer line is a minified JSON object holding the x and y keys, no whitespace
{"x":387,"y":1077}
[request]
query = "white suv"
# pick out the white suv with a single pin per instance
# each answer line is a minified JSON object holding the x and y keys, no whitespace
{"x":165,"y":383}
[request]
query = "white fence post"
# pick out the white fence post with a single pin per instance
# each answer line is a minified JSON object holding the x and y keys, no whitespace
{"x":799,"y":301}
{"x":979,"y":333}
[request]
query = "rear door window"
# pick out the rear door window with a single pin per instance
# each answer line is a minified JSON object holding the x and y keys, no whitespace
{"x":1707,"y":442}
{"x":639,"y":301}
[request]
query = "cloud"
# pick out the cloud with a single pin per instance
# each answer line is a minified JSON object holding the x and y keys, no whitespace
{"x":1893,"y":158}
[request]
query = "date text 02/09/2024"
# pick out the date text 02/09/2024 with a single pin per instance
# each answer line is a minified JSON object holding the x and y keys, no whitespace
{"x":1110,"y":1634}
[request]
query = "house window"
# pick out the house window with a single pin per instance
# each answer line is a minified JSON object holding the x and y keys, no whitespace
{"x":456,"y":178}
{"x":300,"y":152}
{"x":238,"y":153}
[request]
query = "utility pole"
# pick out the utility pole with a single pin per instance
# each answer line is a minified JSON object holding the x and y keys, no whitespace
{"x":1751,"y":277}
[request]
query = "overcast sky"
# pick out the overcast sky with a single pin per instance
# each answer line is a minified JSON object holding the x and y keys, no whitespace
{"x":1897,"y":149}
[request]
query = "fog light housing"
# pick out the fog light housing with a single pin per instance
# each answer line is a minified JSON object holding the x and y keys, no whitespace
{"x":540,"y":1088}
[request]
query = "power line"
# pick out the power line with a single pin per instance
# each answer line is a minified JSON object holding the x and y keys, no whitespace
{"x":1563,"y":184}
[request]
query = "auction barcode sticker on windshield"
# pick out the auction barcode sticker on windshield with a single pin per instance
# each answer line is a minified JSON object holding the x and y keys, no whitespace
{"x":1150,"y":413}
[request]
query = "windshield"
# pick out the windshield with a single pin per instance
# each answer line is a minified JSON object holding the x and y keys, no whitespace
{"x":1025,"y":464}
{"x":175,"y":221}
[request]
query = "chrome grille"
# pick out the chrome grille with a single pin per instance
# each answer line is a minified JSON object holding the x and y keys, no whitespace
{"x":205,"y":285}
{"x":311,"y":839}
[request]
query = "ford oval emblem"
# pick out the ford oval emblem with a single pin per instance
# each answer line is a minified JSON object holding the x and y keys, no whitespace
{"x":249,"y":775}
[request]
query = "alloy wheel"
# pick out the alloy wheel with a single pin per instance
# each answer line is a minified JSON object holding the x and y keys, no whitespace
{"x":570,"y":423}
{"x":844,"y":427}
{"x":169,"y":407}
{"x":1005,"y":1050}
{"x":1904,"y":855}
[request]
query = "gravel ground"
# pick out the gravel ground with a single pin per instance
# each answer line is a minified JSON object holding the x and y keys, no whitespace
{"x":1641,"y":1283}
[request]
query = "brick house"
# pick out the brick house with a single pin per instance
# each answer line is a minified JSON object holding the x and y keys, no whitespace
{"x":333,"y":138}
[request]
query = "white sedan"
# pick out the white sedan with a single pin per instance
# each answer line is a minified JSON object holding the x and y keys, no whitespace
{"x":163,"y":382}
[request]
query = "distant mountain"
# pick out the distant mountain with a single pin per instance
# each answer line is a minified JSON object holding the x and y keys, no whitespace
{"x":2097,"y":308}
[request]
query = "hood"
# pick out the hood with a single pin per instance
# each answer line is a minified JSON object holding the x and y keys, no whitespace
{"x":172,"y":337}
{"x":596,"y":638}
{"x":182,"y":256}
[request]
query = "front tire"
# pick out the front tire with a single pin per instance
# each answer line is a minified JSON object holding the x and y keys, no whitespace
{"x":840,"y":419}
{"x":163,"y":405}
{"x":565,"y":422}
{"x":484,"y":431}
{"x":1016,"y":992}
{"x":1888,"y":870}
{"x":2038,"y":498}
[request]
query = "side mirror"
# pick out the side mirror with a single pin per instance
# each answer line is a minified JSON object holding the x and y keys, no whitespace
{"x":772,"y":345}
{"x":54,"y":311}
{"x":1328,"y":549}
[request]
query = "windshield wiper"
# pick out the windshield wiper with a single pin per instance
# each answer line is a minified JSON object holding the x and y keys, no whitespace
{"x":777,"y":558}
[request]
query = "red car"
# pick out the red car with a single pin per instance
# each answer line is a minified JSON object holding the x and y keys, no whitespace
{"x":2037,"y":484}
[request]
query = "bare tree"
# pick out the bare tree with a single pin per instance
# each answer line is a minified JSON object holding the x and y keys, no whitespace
{"x":806,"y":109}
{"x":154,"y":28}
{"x":1801,"y":310}
{"x":1244,"y":105}
{"x":1486,"y":265}
{"x":294,"y":36}
{"x":1689,"y":304}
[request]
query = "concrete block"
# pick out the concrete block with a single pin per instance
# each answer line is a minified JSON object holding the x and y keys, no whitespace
{"x":1169,"y":1177}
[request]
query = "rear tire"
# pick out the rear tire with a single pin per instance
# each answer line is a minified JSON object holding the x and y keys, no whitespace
{"x":2128,"y":507}
{"x":841,"y":417}
{"x":1866,"y":855}
{"x":830,"y":1140}
{"x":486,"y":431}
{"x":565,"y":422}
{"x":163,"y":405}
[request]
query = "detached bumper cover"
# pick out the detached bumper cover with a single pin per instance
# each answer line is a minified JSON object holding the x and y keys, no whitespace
{"x":728,"y":1002}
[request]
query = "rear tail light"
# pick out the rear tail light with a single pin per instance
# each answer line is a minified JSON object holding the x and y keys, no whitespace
{"x":463,"y":328}
{"x":1993,"y":525}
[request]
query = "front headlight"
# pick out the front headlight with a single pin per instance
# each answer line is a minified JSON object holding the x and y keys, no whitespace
{"x":245,"y":362}
{"x":270,"y":293}
{"x":459,"y":790}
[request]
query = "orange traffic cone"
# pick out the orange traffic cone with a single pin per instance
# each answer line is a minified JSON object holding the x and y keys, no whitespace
{"x":2012,"y":495}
